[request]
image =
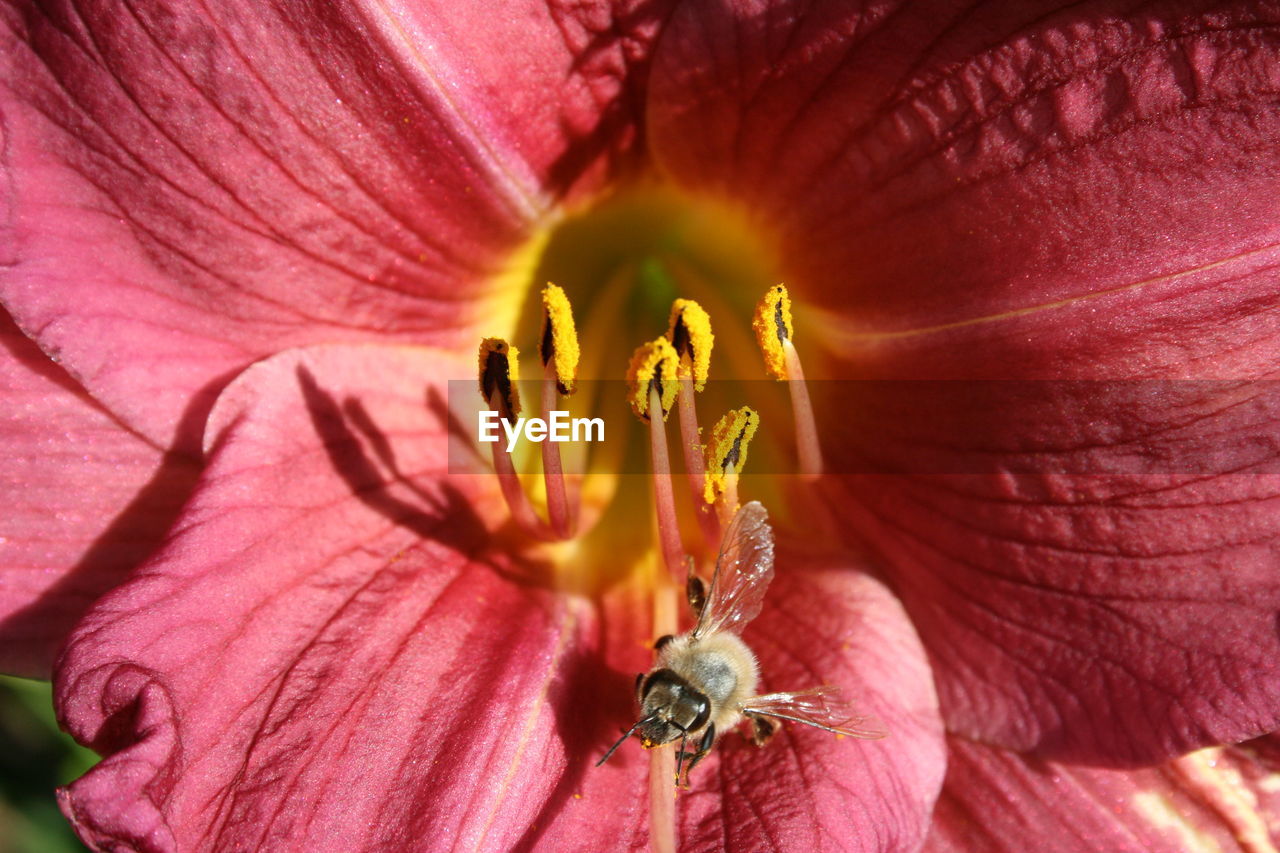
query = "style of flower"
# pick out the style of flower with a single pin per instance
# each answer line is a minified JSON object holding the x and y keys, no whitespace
{"x":247,"y":246}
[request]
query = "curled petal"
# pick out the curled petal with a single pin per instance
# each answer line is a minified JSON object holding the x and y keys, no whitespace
{"x":328,"y":652}
{"x":85,"y":501}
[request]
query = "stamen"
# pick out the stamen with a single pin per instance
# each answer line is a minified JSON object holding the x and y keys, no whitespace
{"x":726,"y":455}
{"x":691,"y":337}
{"x":499,"y":375}
{"x":559,"y":351}
{"x":559,"y":348}
{"x":774,"y":332}
{"x":690,"y":334}
{"x":653,"y":366}
{"x":651,"y":381}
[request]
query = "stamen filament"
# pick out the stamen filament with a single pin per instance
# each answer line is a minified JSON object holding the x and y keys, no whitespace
{"x":663,"y":497}
{"x":499,"y":387}
{"x":808,"y":449}
{"x":691,"y":445}
{"x":727,"y":505}
{"x":560,"y":515}
{"x":512,"y":491}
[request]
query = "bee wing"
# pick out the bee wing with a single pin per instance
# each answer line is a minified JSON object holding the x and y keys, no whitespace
{"x":820,"y":707}
{"x":743,"y":572}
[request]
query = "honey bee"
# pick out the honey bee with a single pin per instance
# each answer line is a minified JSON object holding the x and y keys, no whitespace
{"x":704,"y":681}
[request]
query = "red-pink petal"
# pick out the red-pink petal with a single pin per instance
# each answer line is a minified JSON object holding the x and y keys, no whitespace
{"x":930,"y":164}
{"x":1220,"y":799}
{"x":335,"y":624}
{"x":84,"y":501}
{"x":1030,"y":192}
{"x":332,"y":624}
{"x":1091,"y":565}
{"x":824,"y":623}
{"x":325,"y":627}
{"x":196,"y":187}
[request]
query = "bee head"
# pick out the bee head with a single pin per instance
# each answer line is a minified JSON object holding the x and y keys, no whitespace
{"x":672,"y":707}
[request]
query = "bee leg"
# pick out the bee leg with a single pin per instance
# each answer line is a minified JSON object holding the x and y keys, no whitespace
{"x":704,"y":747}
{"x":695,"y":591}
{"x":762,"y":729}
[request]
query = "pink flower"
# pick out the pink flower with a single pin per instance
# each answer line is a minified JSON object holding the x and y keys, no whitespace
{"x":248,"y":244}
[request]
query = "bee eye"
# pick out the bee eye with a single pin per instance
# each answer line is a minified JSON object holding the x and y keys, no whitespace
{"x":704,"y":710}
{"x":656,"y":677}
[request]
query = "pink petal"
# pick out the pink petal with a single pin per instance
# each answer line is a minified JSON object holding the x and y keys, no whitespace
{"x":84,"y":501}
{"x":932,"y":170}
{"x":1026,"y":192}
{"x":824,"y":623}
{"x":328,"y":654}
{"x":334,"y":650}
{"x":196,"y":187}
{"x":1222,"y":799}
{"x":1110,"y":595}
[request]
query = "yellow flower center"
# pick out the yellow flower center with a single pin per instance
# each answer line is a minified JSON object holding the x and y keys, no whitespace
{"x":653,"y":265}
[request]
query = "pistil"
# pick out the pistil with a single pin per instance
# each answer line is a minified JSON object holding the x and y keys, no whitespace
{"x":662,"y":762}
{"x":774,"y":332}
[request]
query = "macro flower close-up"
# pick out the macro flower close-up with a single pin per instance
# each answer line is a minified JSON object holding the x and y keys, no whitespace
{"x":1023,"y":498}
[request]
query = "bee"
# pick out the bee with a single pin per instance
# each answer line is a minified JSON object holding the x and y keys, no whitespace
{"x":704,"y":681}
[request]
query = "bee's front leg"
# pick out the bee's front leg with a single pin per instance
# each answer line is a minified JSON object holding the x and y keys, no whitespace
{"x":704,"y":747}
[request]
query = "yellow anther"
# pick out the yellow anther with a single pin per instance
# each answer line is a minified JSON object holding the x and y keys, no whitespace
{"x":726,"y":452}
{"x":500,"y":372}
{"x":690,"y":334}
{"x":653,"y":365}
{"x":773,"y":326}
{"x":559,"y":346}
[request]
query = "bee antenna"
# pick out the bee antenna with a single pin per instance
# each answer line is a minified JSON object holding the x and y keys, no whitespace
{"x":640,"y":722}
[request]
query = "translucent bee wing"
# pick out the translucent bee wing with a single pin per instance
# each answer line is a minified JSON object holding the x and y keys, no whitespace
{"x":820,"y":707}
{"x":743,"y":572}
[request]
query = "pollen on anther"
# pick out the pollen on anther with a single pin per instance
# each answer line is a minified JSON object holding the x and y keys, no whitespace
{"x":772,"y":323}
{"x":652,"y":366}
{"x":690,"y":334}
{"x":500,"y":372}
{"x":559,"y":346}
{"x":726,"y":451}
